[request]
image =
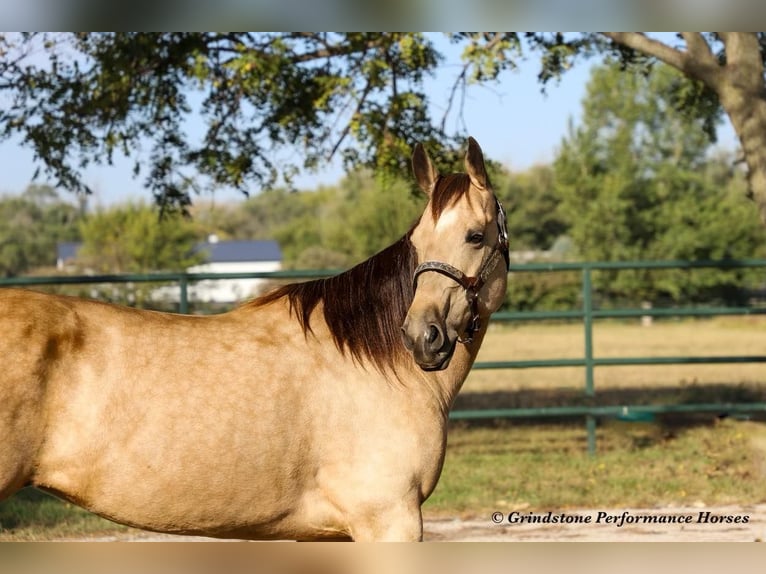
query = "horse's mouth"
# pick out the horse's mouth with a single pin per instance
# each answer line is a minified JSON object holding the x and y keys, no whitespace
{"x":440,"y":366}
{"x":438,"y":362}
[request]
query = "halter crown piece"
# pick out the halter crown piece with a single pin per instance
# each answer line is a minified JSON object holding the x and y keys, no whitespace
{"x":473,"y":285}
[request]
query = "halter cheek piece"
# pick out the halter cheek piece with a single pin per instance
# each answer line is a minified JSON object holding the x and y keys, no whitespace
{"x":473,"y":285}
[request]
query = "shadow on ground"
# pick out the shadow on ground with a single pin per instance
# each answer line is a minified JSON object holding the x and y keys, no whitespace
{"x":687,"y":394}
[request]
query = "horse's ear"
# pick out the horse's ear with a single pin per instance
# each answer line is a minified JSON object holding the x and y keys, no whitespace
{"x":474,"y":165}
{"x":425,"y":172}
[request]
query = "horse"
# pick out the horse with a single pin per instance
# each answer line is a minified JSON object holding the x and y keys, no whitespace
{"x":317,"y":411}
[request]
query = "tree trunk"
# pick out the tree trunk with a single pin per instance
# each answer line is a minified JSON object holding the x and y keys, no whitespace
{"x":739,"y":83}
{"x":748,"y":117}
{"x":743,"y":96}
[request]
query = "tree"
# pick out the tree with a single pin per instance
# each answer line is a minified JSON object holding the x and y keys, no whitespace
{"x":355,"y":94}
{"x":636,"y":182}
{"x":730,"y":65}
{"x":534,"y":222}
{"x":131,"y":238}
{"x":367,"y":216}
{"x":31,"y":225}
{"x":727,"y":70}
{"x":104,"y":93}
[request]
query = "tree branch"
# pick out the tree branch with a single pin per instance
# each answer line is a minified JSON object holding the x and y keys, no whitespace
{"x":459,"y":81}
{"x":743,"y":52}
{"x":698,"y":47}
{"x":642,"y":43}
{"x":697,"y":62}
{"x":331,"y":50}
{"x":347,"y":129}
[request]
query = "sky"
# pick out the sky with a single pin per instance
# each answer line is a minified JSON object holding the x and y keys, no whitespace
{"x":513,"y":121}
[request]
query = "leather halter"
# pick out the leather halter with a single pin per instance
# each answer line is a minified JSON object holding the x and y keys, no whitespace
{"x":473,"y":285}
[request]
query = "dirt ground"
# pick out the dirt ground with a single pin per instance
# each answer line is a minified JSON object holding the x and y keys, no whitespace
{"x":744,"y":524}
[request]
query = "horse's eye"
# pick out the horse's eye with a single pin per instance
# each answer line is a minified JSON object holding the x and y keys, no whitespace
{"x":475,"y":238}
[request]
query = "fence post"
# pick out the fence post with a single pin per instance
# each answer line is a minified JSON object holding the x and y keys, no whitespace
{"x":183,"y":299}
{"x":587,"y":303}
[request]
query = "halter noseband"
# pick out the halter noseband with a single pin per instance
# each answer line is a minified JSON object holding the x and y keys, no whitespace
{"x":473,"y":285}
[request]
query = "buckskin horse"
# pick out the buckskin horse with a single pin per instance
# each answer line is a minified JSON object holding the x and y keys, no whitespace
{"x":316,"y":411}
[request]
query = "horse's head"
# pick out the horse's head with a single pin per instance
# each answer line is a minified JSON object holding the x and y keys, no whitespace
{"x":462,"y":248}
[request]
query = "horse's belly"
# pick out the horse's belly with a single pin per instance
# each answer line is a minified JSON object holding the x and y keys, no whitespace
{"x":180,"y":462}
{"x":184,"y":478}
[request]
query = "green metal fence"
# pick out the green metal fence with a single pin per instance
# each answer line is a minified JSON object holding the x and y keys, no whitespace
{"x":587,"y":314}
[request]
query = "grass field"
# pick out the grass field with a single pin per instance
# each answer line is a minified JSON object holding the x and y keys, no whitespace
{"x":639,"y":465}
{"x":502,"y":466}
{"x":715,"y":337}
{"x":32,"y":515}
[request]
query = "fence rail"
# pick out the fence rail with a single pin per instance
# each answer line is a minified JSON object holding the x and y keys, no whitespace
{"x":587,"y":314}
{"x":589,"y":361}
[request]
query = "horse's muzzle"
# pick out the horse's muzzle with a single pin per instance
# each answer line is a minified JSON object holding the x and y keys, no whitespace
{"x":429,"y":342}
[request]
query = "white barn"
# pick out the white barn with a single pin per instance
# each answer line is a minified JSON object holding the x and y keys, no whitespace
{"x":242,"y":256}
{"x":66,"y":254}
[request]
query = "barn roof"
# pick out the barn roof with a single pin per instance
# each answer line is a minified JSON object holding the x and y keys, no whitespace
{"x":216,"y":251}
{"x":66,"y":250}
{"x":241,"y":250}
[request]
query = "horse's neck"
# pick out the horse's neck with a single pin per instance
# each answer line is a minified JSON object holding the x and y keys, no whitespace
{"x":450,"y":380}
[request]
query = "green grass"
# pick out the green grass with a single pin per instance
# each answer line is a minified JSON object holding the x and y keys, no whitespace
{"x":34,"y":515}
{"x":639,"y":465}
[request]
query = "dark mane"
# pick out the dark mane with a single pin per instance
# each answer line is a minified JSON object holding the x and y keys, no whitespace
{"x":364,"y":307}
